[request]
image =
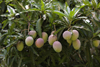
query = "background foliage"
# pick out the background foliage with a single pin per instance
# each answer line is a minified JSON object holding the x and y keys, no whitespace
{"x":17,"y":17}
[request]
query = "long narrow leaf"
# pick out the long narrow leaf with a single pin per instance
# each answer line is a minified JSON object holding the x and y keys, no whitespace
{"x":38,"y":27}
{"x":11,"y":10}
{"x":58,"y":13}
{"x":42,"y":5}
{"x":75,"y":11}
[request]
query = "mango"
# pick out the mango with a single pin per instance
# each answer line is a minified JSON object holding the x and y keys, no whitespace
{"x":52,"y":38}
{"x":29,"y":41}
{"x":52,"y":32}
{"x":69,"y":41}
{"x":75,"y":35}
{"x":39,"y":42}
{"x":96,"y":43}
{"x":76,"y":44}
{"x":44,"y":36}
{"x":57,"y":46}
{"x":20,"y":46}
{"x":67,"y":35}
{"x":33,"y":33}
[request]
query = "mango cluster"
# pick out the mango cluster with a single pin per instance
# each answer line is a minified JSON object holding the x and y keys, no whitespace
{"x":30,"y":40}
{"x":72,"y":38}
{"x":52,"y":40}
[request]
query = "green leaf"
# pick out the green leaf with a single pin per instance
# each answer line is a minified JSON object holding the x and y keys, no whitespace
{"x":11,"y":26}
{"x":88,"y":24}
{"x":2,"y":7}
{"x":94,"y":3}
{"x":60,"y":33}
{"x":43,"y":57}
{"x":21,"y":22}
{"x":12,"y":61}
{"x":30,"y":10}
{"x":67,"y":8}
{"x":36,"y":5}
{"x":3,"y":38}
{"x":88,"y":55}
{"x":42,"y":5}
{"x":20,"y":62}
{"x":21,"y":6}
{"x":12,"y":43}
{"x":86,"y":2}
{"x":96,"y":33}
{"x":58,"y":30}
{"x":98,"y":5}
{"x":75,"y":11}
{"x":97,"y":58}
{"x":18,"y":6}
{"x":11,"y":10}
{"x":7,"y":1}
{"x":34,"y":51}
{"x":52,"y":59}
{"x":38,"y":27}
{"x":81,"y":27}
{"x":50,"y":17}
{"x":5,"y":22}
{"x":72,"y":13}
{"x":62,"y":60}
{"x":91,"y":28}
{"x":58,"y":13}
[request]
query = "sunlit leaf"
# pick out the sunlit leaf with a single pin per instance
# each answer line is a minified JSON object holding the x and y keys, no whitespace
{"x":11,"y":10}
{"x":42,"y":5}
{"x":58,"y":13}
{"x":86,"y":2}
{"x":94,"y":2}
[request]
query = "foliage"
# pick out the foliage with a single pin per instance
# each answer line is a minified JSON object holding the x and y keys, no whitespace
{"x":18,"y":17}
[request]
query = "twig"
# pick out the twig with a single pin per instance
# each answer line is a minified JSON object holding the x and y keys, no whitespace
{"x":80,"y":57}
{"x":23,"y":30}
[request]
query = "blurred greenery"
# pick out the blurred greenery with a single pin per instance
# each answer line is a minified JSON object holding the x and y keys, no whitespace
{"x":17,"y":17}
